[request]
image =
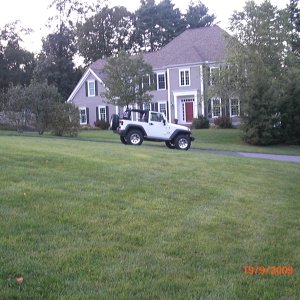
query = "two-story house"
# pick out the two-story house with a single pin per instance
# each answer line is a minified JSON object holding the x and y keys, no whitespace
{"x":181,"y":84}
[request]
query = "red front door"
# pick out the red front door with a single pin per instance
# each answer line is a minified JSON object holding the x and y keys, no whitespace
{"x":189,"y":111}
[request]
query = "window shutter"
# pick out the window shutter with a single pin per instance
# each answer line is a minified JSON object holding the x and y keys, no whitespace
{"x":107,"y":114}
{"x":154,"y":81}
{"x":156,"y":106}
{"x":97,"y":113}
{"x":209,"y":113}
{"x":87,"y":116}
{"x":96,"y":87}
{"x":167,"y":111}
{"x":86,"y":89}
{"x":227,"y":108}
{"x":152,"y":106}
{"x":166,"y":78}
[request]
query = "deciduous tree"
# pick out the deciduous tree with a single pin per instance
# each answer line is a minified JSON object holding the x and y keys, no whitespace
{"x":127,"y":80}
{"x":16,"y":63}
{"x":105,"y":33}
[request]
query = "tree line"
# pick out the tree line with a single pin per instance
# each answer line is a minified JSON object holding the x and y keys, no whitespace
{"x":264,"y":72}
{"x":262,"y":68}
{"x":90,"y":32}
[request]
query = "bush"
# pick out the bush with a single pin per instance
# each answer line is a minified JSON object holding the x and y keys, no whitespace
{"x":102,"y":124}
{"x":223,"y":122}
{"x":200,"y":123}
{"x":65,"y":120}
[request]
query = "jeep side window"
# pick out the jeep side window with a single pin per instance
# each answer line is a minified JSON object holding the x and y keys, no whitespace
{"x":156,"y":117}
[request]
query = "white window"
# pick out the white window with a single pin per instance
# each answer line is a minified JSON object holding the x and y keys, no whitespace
{"x":91,"y":88}
{"x":102,"y":113}
{"x":162,"y":107}
{"x":161,"y":81}
{"x":184,"y":77}
{"x":216,"y":107}
{"x":83,"y":115}
{"x":234,"y":107}
{"x":214,"y":75}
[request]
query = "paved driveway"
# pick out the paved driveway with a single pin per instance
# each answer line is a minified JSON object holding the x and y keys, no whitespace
{"x":278,"y":157}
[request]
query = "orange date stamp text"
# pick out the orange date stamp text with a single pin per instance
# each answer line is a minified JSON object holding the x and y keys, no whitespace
{"x":268,"y":270}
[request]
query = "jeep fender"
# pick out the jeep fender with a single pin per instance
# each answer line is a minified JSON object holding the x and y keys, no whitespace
{"x":177,"y":132}
{"x":136,"y":127}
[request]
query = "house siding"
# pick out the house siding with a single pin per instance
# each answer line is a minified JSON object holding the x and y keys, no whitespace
{"x":195,"y":50}
{"x":82,"y":100}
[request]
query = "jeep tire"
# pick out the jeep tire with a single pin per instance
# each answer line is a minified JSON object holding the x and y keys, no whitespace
{"x":182,"y":142}
{"x":134,"y":137}
{"x":114,"y":122}
{"x":123,"y":140}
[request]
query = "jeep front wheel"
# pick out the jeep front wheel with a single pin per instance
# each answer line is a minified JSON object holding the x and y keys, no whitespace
{"x":134,"y":137}
{"x":183,"y":142}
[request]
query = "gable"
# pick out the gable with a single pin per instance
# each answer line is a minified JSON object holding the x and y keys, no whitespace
{"x":81,"y":84}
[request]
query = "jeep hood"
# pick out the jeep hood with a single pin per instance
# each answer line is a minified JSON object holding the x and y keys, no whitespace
{"x":181,"y":127}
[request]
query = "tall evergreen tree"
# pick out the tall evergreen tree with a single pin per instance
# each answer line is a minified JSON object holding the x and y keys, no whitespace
{"x":156,"y":24}
{"x":56,"y":61}
{"x":197,"y":16}
{"x":294,"y":23}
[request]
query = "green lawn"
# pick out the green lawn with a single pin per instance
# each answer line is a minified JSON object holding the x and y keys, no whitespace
{"x":84,"y":219}
{"x":206,"y":139}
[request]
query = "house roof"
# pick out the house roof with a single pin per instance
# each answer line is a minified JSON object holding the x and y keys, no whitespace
{"x":205,"y":44}
{"x":199,"y":45}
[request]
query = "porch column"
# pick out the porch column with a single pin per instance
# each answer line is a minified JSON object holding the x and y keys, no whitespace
{"x":202,"y":90}
{"x":169,"y":96}
{"x":175,"y":107}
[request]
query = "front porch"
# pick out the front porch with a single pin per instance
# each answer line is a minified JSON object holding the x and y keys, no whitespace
{"x":186,"y":107}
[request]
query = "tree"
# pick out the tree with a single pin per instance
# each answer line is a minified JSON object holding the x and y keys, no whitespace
{"x":17,"y":107}
{"x":105,"y":33}
{"x":43,"y":100}
{"x":56,"y":61}
{"x":290,"y":106}
{"x":16,"y":63}
{"x":156,"y":25}
{"x":65,"y":120}
{"x":257,"y":52}
{"x":127,"y":80}
{"x":197,"y":16}
{"x":294,"y":24}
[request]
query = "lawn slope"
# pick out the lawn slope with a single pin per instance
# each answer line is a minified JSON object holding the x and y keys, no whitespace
{"x":94,"y":220}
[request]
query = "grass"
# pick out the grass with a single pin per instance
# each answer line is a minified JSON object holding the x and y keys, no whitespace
{"x":90,"y":220}
{"x":206,"y":139}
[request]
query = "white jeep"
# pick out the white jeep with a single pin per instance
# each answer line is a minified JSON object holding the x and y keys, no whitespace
{"x":150,"y":126}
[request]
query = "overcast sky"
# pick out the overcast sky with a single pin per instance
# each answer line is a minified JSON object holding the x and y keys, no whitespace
{"x":34,"y":13}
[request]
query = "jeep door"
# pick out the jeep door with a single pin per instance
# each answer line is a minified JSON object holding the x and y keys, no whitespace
{"x":157,"y":127}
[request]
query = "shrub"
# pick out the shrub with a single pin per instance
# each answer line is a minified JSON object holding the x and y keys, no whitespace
{"x":102,"y":124}
{"x":200,"y":123}
{"x":65,"y":120}
{"x":223,"y":122}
